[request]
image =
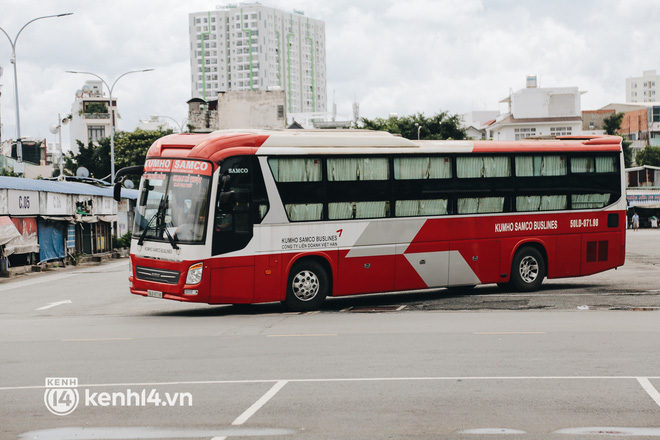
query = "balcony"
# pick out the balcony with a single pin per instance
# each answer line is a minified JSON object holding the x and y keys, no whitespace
{"x":97,"y":115}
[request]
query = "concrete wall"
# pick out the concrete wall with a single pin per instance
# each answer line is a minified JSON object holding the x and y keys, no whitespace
{"x":508,"y":132}
{"x":254,"y":109}
{"x":546,"y":103}
{"x":594,"y":119}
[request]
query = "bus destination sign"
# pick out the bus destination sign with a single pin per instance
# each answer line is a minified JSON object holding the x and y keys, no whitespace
{"x":184,"y":166}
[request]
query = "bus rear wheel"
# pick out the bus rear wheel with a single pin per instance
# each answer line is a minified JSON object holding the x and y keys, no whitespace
{"x":307,"y":287}
{"x":528,"y":269}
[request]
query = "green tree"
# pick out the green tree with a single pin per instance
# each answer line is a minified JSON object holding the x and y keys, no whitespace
{"x":612,"y":126}
{"x":131,"y":146}
{"x":6,"y":172}
{"x":130,"y":149}
{"x":627,"y":153}
{"x":648,"y":156}
{"x":613,"y":123}
{"x":439,"y":126}
{"x":96,"y":107}
{"x":96,"y":158}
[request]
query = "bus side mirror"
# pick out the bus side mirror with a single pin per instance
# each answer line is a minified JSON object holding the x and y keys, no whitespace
{"x":145,"y":193}
{"x":136,"y":169}
{"x":116,"y":194}
{"x":226,"y":201}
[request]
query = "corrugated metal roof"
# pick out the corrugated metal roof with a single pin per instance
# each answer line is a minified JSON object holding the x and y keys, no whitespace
{"x":62,"y":187}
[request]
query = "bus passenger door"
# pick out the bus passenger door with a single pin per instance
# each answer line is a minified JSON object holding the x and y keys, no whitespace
{"x":232,"y":277}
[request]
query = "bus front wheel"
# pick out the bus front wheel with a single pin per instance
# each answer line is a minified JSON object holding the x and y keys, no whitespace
{"x":307,"y":287}
{"x":528,"y":269}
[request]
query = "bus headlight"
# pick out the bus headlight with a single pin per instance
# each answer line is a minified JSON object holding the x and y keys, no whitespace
{"x":195,"y":273}
{"x":130,"y":267}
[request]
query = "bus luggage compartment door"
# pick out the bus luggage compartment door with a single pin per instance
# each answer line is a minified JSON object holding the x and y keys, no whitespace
{"x":366,"y":269}
{"x":267,"y":279}
{"x":473,"y":262}
{"x":567,"y":260}
{"x":232,"y":280}
{"x":422,"y":265}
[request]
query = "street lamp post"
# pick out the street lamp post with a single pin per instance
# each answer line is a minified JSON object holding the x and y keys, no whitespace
{"x":57,"y":129}
{"x":112,"y":118}
{"x":419,"y":127}
{"x":175,"y":121}
{"x":19,"y":145}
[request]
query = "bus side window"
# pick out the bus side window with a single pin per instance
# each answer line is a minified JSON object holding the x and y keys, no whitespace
{"x":224,"y":221}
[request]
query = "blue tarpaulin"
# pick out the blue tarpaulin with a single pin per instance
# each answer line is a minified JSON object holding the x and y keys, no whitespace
{"x":51,"y":240}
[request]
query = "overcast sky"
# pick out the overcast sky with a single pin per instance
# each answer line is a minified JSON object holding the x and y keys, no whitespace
{"x":390,"y":56}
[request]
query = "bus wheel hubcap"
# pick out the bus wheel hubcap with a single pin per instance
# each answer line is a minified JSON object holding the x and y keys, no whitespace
{"x":529,"y":269}
{"x":305,"y":285}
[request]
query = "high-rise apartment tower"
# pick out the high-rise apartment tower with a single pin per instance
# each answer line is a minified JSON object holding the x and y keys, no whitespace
{"x":249,"y":46}
{"x":642,"y":88}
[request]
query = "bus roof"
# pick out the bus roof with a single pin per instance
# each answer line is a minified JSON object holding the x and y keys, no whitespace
{"x":219,"y":144}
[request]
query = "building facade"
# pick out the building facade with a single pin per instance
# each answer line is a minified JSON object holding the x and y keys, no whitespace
{"x":640,"y":124}
{"x":245,"y":109}
{"x":642,"y":88}
{"x":42,"y":220}
{"x":593,"y":121}
{"x":643,"y":194}
{"x":248,"y":47}
{"x":476,"y":123}
{"x":90,"y":115}
{"x":255,"y":109}
{"x":535,"y":111}
{"x":1,"y":71}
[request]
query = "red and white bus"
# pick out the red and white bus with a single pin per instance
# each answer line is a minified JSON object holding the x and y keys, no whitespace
{"x":296,"y":216}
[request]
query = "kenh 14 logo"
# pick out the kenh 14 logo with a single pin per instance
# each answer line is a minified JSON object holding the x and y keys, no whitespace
{"x":61,"y":395}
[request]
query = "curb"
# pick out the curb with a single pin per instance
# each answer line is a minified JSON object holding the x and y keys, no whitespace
{"x":67,"y":263}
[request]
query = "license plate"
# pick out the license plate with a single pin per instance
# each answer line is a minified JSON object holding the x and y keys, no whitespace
{"x":155,"y":293}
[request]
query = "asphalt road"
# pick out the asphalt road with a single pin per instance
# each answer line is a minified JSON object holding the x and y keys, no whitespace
{"x":579,"y":359}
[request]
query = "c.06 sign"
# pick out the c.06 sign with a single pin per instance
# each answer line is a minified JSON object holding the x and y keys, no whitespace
{"x":23,"y":202}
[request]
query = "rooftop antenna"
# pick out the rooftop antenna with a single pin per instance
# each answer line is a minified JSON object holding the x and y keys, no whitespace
{"x":334,"y":106}
{"x":356,"y":110}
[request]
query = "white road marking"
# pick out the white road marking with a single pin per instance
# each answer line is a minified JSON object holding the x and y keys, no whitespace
{"x":256,"y":406}
{"x":649,"y":388}
{"x":330,"y":380}
{"x":491,"y":431}
{"x":96,"y":340}
{"x":611,"y":431}
{"x":55,"y":304}
{"x":259,"y":403}
{"x":92,"y":433}
{"x":509,"y":333}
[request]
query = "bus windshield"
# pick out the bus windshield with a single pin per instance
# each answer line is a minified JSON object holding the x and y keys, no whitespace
{"x":172,"y":206}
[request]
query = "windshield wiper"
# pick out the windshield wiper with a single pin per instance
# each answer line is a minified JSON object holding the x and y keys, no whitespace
{"x":146,"y":229}
{"x":171,"y":239}
{"x":159,"y":216}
